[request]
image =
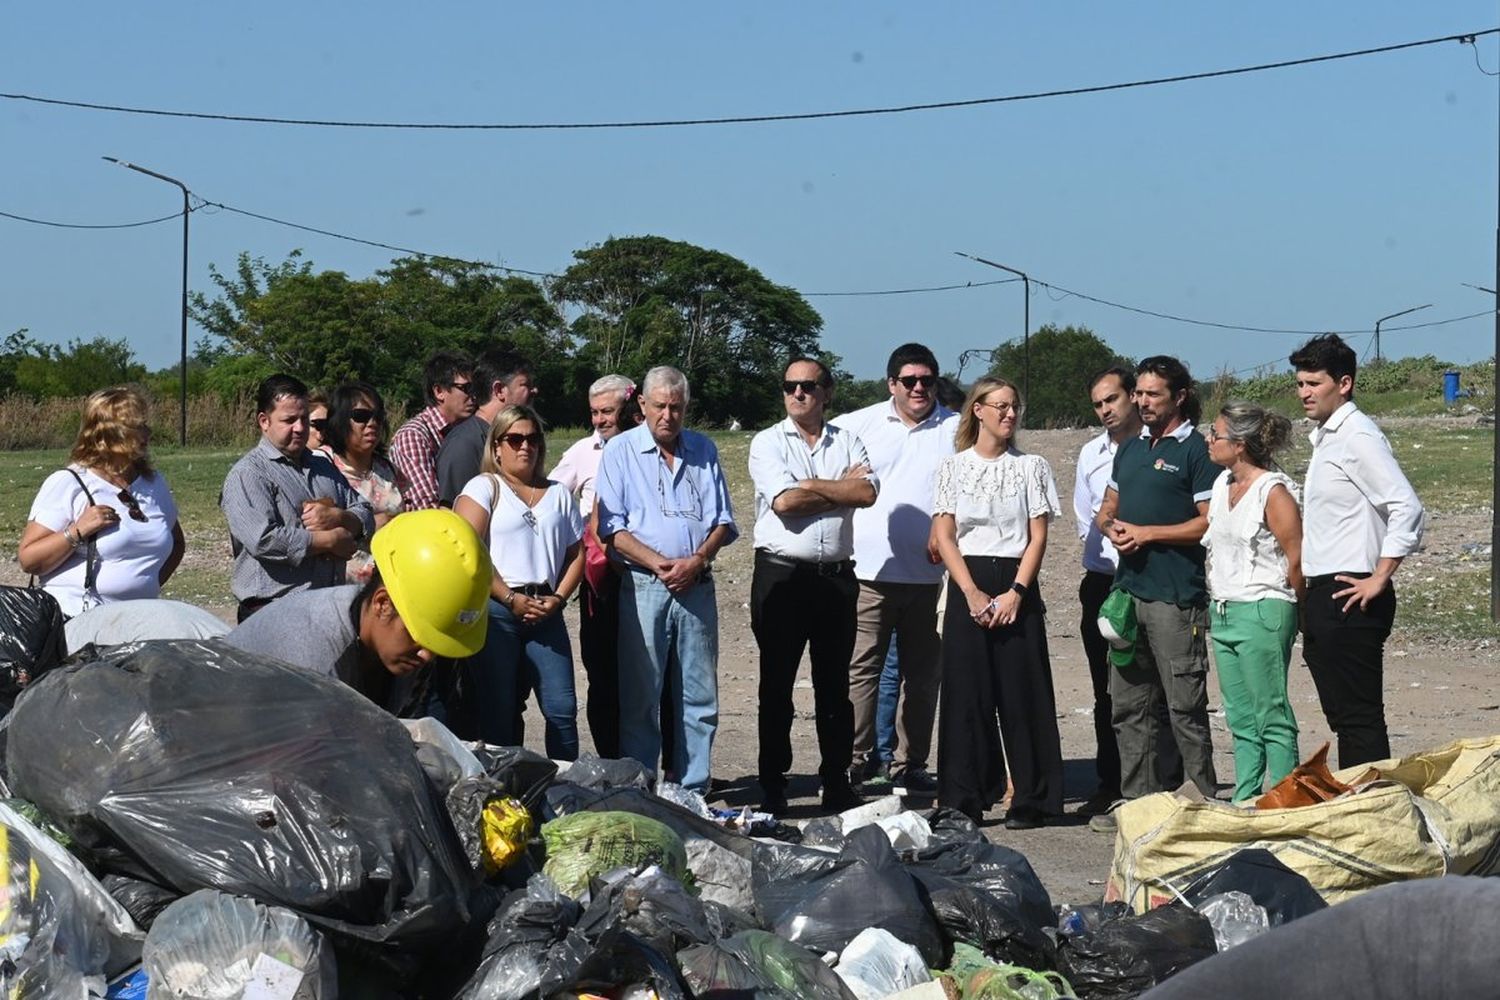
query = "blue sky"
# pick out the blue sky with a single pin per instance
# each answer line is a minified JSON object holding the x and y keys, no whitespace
{"x":1318,"y":197}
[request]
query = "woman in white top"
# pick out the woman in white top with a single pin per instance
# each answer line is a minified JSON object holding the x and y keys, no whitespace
{"x":534,"y":531}
{"x":107,"y":516}
{"x":991,"y":510}
{"x":1254,"y":544}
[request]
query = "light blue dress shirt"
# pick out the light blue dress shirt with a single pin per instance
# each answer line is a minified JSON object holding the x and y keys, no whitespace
{"x":671,"y":510}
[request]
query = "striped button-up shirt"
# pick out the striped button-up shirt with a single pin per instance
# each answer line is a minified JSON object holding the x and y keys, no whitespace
{"x":262,"y":500}
{"x":413,"y":451}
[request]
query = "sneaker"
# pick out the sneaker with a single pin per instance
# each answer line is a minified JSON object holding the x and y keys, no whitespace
{"x":915,"y":781}
{"x":1105,"y":822}
{"x":838,"y":798}
{"x":872,"y":774}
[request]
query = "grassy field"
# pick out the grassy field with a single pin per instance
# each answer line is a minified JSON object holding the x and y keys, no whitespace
{"x":1445,"y":591}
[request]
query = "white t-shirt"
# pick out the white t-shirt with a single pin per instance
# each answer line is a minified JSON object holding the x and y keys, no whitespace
{"x":130,"y":553}
{"x":1245,"y":562}
{"x":527,"y":550}
{"x":994,"y":499}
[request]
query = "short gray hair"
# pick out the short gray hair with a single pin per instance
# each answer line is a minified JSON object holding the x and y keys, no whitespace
{"x":611,"y":383}
{"x":668,"y":378}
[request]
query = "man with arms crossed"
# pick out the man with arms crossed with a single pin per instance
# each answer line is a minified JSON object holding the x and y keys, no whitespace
{"x":1361,"y":519}
{"x":1155,"y":512}
{"x":809,"y":477}
{"x":906,"y":438}
{"x":663,"y":508}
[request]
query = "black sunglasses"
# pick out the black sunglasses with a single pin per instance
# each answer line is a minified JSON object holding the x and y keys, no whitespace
{"x":319,"y":424}
{"x":807,"y":385}
{"x":134,"y":507}
{"x":516,"y":440}
{"x":467,"y":388}
{"x":361,"y":416}
{"x":912,"y":381}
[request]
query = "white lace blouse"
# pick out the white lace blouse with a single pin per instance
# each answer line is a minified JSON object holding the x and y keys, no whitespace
{"x":994,"y":500}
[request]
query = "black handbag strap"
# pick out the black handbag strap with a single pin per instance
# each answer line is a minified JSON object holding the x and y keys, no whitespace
{"x":90,"y":573}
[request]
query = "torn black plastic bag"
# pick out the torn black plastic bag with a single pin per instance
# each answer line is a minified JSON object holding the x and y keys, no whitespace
{"x":193,"y":765}
{"x":525,"y":774}
{"x":1126,"y":956}
{"x":998,"y":926}
{"x":1257,"y":873}
{"x":653,"y":906}
{"x":32,"y":639}
{"x":998,"y":870}
{"x":757,"y":965}
{"x":865,"y":886}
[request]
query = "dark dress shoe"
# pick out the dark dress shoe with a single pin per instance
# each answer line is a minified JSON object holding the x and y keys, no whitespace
{"x":1024,"y":821}
{"x":841,"y":797}
{"x":773,"y":803}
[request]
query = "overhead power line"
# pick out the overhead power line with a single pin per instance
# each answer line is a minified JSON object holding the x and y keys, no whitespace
{"x":83,"y":225}
{"x":1467,"y":37}
{"x":913,"y":291}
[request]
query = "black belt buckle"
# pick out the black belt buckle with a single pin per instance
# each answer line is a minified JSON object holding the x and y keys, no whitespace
{"x":534,"y":590}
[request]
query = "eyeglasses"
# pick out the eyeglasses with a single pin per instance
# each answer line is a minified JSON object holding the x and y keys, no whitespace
{"x":1003,"y":408}
{"x":467,"y":388}
{"x":131,"y":505}
{"x":516,"y":440}
{"x":319,"y":424}
{"x":1214,"y":435}
{"x":361,"y":416}
{"x":807,"y":386}
{"x":696,"y":514}
{"x":912,"y":381}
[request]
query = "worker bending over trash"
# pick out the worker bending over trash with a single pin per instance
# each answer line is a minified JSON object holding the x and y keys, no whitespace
{"x":426,"y":599}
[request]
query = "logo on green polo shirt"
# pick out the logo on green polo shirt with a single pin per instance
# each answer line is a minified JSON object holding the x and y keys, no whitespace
{"x":1163,"y":466}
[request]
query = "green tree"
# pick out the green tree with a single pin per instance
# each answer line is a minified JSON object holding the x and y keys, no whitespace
{"x":646,"y":300}
{"x":47,"y":370}
{"x":1063,"y":359}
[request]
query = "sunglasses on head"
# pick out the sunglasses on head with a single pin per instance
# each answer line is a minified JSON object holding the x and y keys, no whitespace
{"x":912,"y":381}
{"x":131,"y":505}
{"x":807,"y":386}
{"x":516,"y":440}
{"x":361,"y":415}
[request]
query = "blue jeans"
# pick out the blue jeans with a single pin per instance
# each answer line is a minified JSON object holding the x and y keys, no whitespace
{"x":885,"y":707}
{"x":517,"y":657}
{"x":669,"y":636}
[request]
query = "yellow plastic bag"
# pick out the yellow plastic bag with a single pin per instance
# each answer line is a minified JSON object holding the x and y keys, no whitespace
{"x":505,"y":827}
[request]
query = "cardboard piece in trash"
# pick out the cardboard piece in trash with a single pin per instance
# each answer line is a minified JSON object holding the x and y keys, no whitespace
{"x":1435,"y":812}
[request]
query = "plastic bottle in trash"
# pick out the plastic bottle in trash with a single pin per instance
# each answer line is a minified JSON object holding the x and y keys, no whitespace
{"x":1235,"y":918}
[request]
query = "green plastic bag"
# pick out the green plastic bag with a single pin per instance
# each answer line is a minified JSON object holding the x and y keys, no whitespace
{"x":583,"y":845}
{"x":1118,"y":626}
{"x":978,"y":978}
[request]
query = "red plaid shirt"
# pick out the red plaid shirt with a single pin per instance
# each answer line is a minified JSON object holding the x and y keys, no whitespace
{"x":414,"y":451}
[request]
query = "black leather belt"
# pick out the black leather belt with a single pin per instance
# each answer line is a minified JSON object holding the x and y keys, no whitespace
{"x":534,"y":590}
{"x":1327,"y":579}
{"x":821,"y":568}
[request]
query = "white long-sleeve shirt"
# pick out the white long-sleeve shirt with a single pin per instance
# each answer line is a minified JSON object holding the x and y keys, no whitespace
{"x":1095,"y":464}
{"x":1359,"y":507}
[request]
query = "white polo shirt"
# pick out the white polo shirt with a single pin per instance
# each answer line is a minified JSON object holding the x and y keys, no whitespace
{"x":779,"y":460}
{"x":578,"y":468}
{"x":1358,"y":506}
{"x":890,"y":538}
{"x":1095,"y":464}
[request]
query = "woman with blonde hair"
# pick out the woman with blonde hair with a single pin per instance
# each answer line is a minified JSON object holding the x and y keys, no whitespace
{"x":105,"y":528}
{"x":992,"y":506}
{"x":534,"y":531}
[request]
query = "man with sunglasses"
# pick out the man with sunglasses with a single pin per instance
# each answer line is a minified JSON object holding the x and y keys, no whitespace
{"x":499,"y":379}
{"x":906,"y":437}
{"x":447,"y":381}
{"x":664,"y":512}
{"x":809,"y":478}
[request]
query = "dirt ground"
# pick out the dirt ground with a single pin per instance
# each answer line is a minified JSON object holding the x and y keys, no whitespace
{"x":1436,"y":690}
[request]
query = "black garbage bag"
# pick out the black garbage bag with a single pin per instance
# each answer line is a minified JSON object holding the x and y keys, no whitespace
{"x":143,"y":900}
{"x":532,"y":940}
{"x":998,"y":926}
{"x":524,"y":773}
{"x":1088,"y":917}
{"x":32,"y":639}
{"x":824,"y":831}
{"x":996,"y":869}
{"x":193,"y":765}
{"x":950,"y":826}
{"x":619,"y":958}
{"x":604,"y":773}
{"x":757,"y":965}
{"x":653,"y":906}
{"x":1123,"y":957}
{"x":866,"y":886}
{"x":1257,"y":873}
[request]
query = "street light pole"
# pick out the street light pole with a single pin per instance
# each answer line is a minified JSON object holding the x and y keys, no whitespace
{"x":1393,"y":316}
{"x":186,"y":211}
{"x":1026,"y":319}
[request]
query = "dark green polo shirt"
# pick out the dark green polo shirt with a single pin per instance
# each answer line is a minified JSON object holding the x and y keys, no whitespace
{"x":1164,"y":485}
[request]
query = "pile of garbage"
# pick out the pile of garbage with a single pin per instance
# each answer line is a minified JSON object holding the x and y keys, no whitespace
{"x":186,"y":820}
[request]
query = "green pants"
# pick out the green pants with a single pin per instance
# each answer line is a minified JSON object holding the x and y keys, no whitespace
{"x":1253,"y":648}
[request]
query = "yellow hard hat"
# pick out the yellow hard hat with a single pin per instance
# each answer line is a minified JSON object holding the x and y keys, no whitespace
{"x":438,"y":575}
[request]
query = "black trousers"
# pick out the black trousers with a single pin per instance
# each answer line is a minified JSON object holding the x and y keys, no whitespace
{"x":598,"y":645}
{"x":1092,"y":590}
{"x":1346,"y":654}
{"x":999,"y":675}
{"x":796,"y":607}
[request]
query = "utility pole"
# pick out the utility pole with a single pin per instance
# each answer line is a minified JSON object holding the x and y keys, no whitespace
{"x":1393,"y":316}
{"x":1025,"y":319}
{"x":187,"y":209}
